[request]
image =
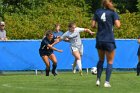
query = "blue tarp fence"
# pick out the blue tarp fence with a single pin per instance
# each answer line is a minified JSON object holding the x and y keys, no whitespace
{"x":24,"y":55}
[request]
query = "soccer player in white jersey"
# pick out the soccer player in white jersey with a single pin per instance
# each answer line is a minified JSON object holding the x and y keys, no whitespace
{"x":73,"y":36}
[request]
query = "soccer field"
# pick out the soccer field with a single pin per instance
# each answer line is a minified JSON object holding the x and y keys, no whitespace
{"x":67,"y":82}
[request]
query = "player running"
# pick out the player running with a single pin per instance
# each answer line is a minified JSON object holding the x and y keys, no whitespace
{"x":73,"y":36}
{"x":46,"y":52}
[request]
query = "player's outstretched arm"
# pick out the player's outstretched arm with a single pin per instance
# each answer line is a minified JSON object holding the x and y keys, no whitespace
{"x":53,"y":48}
{"x":89,"y":31}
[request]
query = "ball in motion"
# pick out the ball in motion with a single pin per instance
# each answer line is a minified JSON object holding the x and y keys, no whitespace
{"x":94,"y":70}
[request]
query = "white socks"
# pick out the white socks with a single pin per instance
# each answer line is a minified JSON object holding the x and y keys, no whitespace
{"x":79,"y":64}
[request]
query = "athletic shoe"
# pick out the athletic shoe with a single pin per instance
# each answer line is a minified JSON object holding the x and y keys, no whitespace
{"x":54,"y":73}
{"x":107,"y":84}
{"x":74,"y":71}
{"x":98,"y":82}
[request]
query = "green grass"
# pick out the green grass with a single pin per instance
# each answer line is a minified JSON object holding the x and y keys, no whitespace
{"x":66,"y":82}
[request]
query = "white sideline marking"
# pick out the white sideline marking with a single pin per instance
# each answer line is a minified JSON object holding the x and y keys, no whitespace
{"x":9,"y":86}
{"x":36,"y":88}
{"x":6,"y":85}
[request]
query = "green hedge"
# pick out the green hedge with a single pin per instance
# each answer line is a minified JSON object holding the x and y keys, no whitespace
{"x":130,"y":27}
{"x":32,"y":23}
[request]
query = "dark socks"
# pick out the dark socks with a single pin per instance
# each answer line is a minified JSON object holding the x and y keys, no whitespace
{"x":47,"y":72}
{"x":99,"y":69}
{"x":53,"y":69}
{"x":138,"y":68}
{"x":108,"y":72}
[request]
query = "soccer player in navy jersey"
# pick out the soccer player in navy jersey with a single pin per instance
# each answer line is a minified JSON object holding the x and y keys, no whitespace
{"x":106,"y":18}
{"x":46,"y":52}
{"x":138,"y":65}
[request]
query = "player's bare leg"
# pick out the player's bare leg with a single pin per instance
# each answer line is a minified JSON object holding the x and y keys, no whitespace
{"x":54,"y":60}
{"x":47,"y":63}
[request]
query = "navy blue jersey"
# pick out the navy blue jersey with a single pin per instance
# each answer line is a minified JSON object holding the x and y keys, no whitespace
{"x":105,"y":19}
{"x":44,"y":44}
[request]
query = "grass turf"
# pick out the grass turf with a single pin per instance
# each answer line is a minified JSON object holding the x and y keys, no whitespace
{"x":67,"y":82}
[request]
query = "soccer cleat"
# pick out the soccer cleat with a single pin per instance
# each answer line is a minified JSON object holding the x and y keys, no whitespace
{"x":98,"y":83}
{"x":107,"y":84}
{"x":74,"y":71}
{"x":54,"y":73}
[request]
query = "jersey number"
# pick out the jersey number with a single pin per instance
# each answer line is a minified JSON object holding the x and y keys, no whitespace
{"x":103,"y":17}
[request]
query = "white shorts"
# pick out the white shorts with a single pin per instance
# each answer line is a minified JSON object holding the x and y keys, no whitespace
{"x":77,"y":48}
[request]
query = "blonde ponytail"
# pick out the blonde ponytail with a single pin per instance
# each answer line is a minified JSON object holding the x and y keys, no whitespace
{"x":108,"y":4}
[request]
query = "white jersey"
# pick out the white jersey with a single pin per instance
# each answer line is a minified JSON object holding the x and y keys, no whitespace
{"x":74,"y":37}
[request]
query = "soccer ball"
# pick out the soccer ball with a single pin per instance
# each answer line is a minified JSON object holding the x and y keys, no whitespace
{"x":94,"y":70}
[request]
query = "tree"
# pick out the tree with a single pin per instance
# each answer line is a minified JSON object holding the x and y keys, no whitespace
{"x":126,"y":5}
{"x":138,"y":5}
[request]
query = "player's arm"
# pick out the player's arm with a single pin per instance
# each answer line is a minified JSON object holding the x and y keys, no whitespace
{"x":93,"y":24}
{"x":53,"y":48}
{"x":72,"y":35}
{"x":89,"y":31}
{"x":117,"y":23}
{"x":64,"y":37}
{"x":6,"y":39}
{"x":116,"y":20}
{"x":56,"y":41}
{"x":67,"y":40}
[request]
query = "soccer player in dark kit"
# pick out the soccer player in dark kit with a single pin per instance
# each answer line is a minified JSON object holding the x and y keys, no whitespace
{"x":106,"y":18}
{"x":46,"y":52}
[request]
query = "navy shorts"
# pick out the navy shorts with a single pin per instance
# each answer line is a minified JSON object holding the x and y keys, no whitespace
{"x":45,"y":53}
{"x":106,"y":46}
{"x":138,"y":53}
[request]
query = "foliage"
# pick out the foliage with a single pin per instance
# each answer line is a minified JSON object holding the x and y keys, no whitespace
{"x":29,"y":19}
{"x":129,"y":26}
{"x":126,"y":5}
{"x":33,"y":25}
{"x":138,"y":5}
